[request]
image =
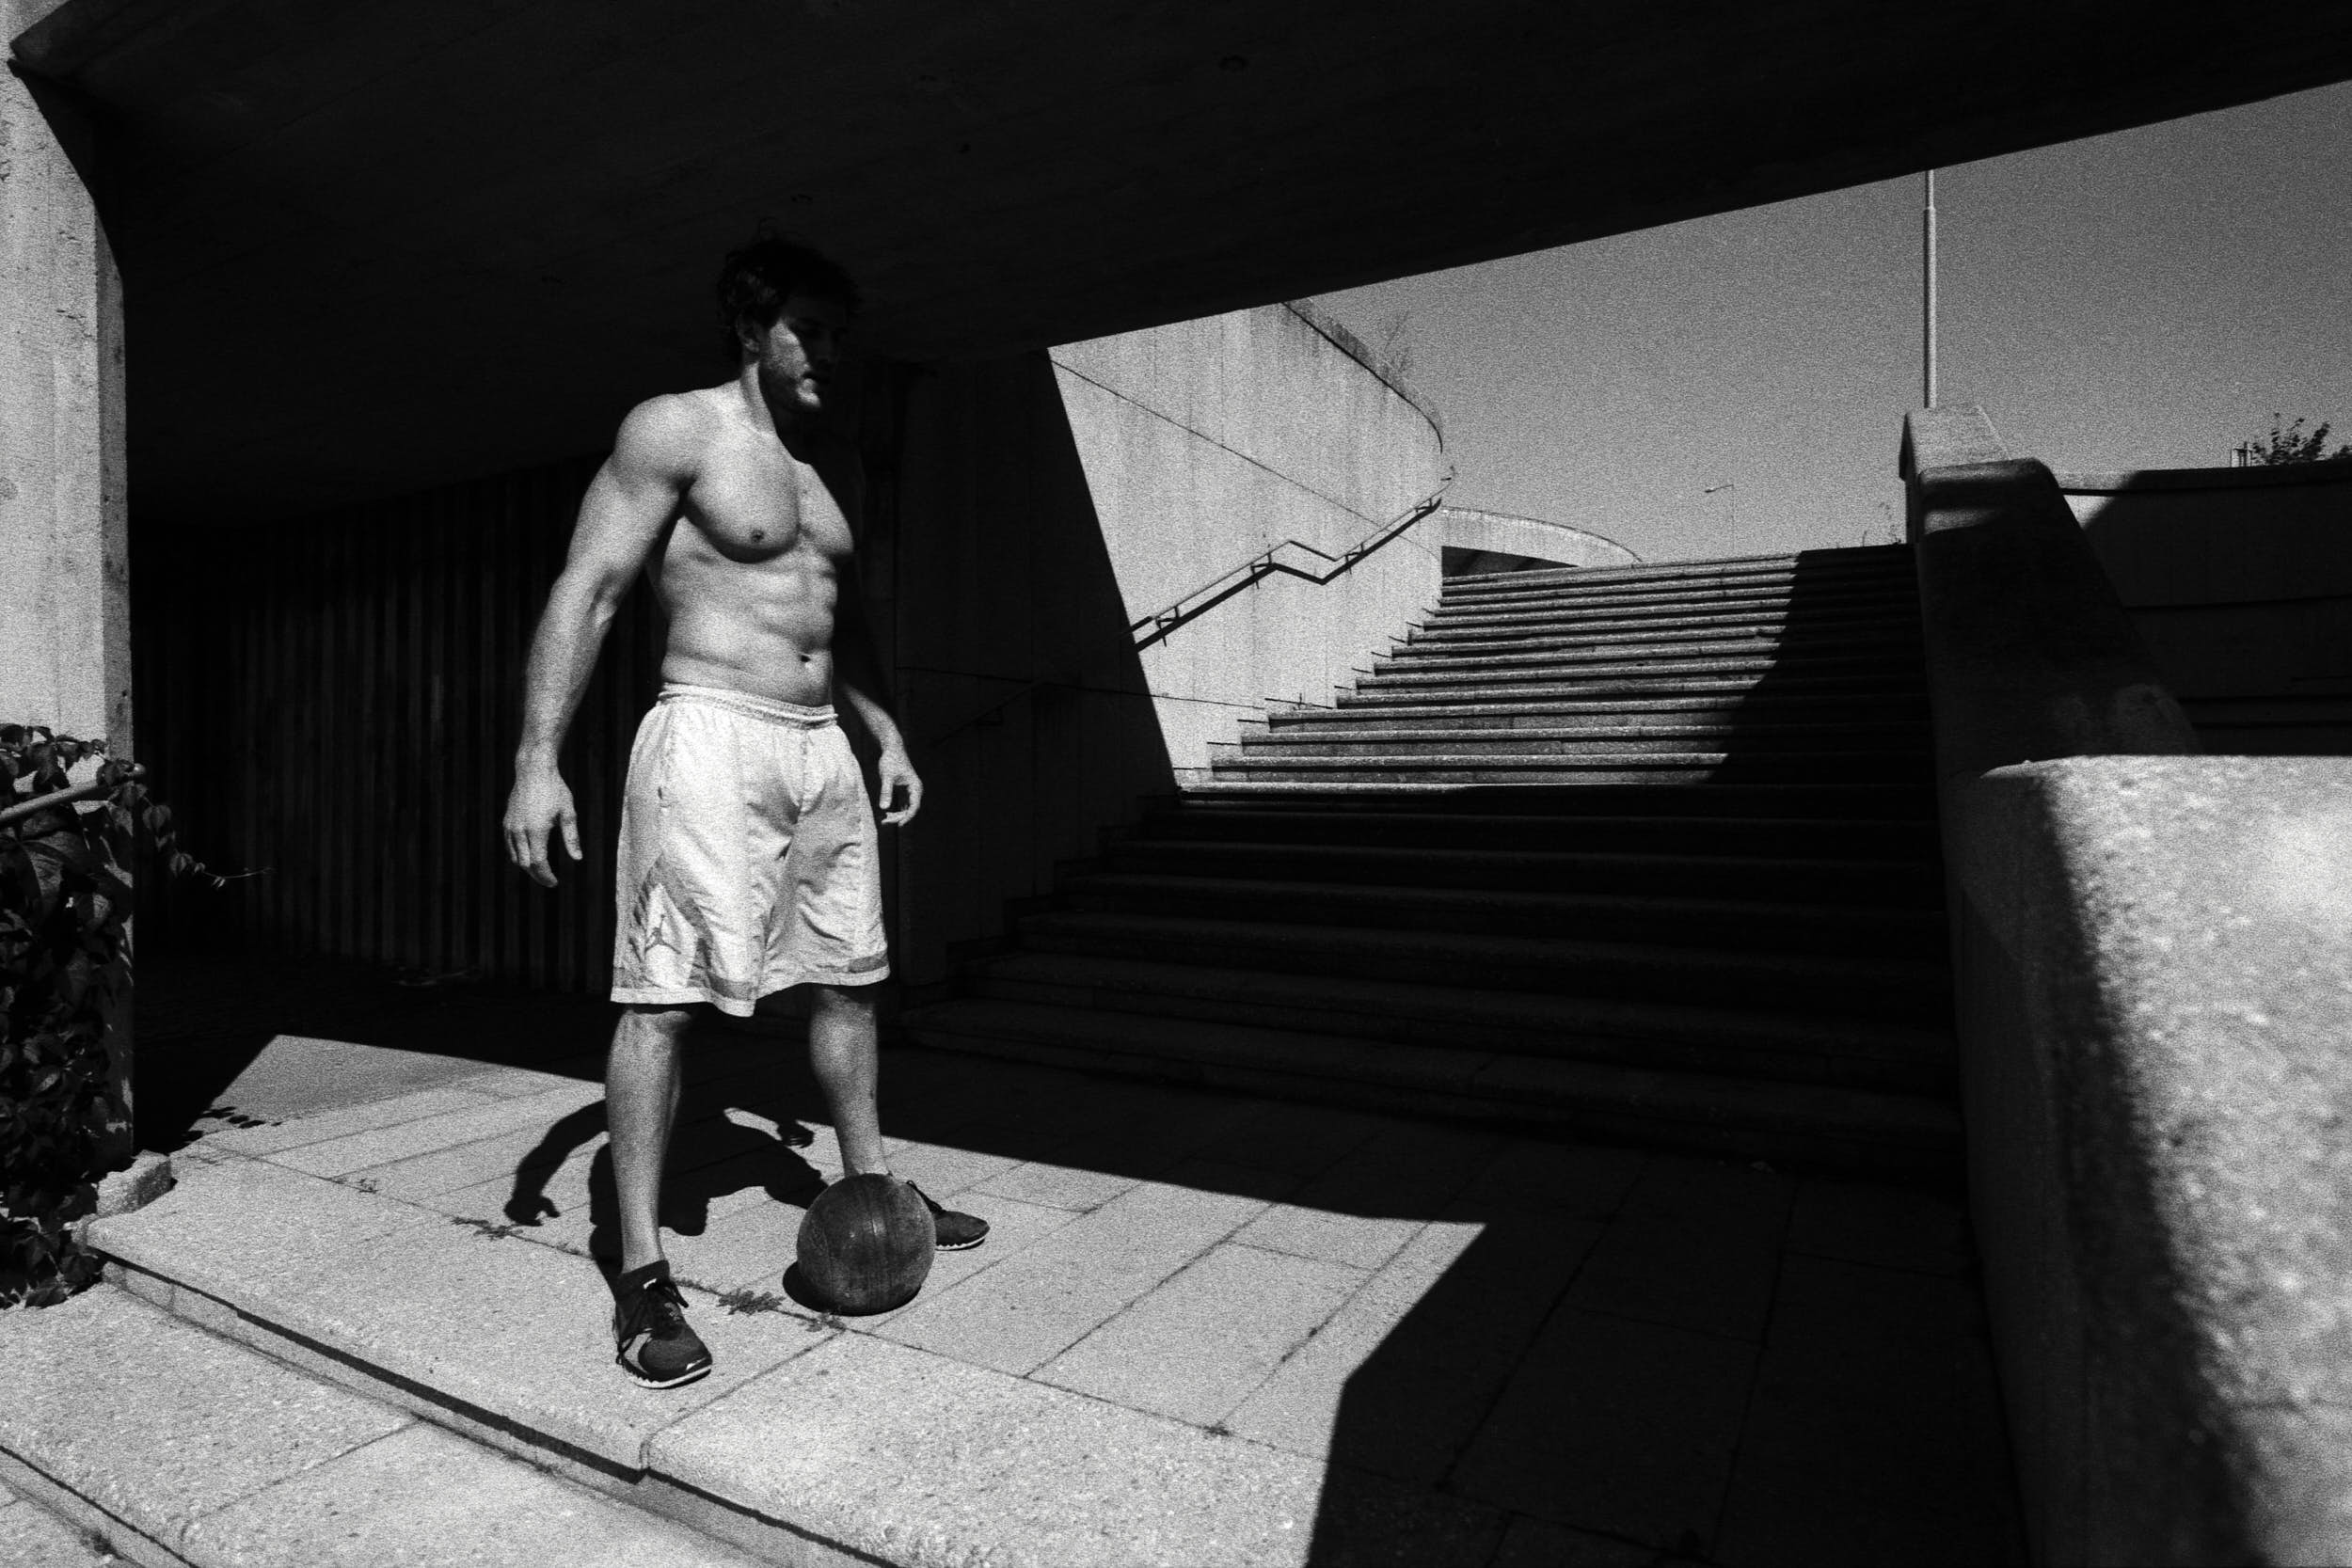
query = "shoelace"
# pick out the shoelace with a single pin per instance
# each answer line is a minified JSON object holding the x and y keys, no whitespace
{"x":660,"y":1309}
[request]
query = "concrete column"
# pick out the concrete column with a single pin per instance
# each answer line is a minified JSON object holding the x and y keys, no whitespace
{"x":65,"y":605}
{"x":65,"y":583}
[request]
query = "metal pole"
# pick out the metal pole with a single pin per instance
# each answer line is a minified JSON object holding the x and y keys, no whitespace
{"x":1926,"y":320}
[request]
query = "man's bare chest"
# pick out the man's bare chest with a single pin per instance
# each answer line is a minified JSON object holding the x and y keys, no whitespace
{"x":753,"y":507}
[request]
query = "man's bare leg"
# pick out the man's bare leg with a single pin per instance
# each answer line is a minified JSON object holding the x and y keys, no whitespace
{"x":844,"y":1052}
{"x":641,"y":1095}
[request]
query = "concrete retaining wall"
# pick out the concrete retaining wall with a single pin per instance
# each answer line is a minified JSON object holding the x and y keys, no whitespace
{"x":1207,"y":442}
{"x":2240,"y":582}
{"x":2154,"y":969}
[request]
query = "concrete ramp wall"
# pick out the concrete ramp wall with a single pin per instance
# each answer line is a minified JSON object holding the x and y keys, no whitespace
{"x":2153,"y":986}
{"x":1208,"y":442}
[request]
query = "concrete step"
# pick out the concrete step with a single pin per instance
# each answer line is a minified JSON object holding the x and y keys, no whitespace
{"x":1629,"y":639}
{"x":1670,"y":615}
{"x":1861,"y":743}
{"x":177,"y":1444}
{"x":1665,"y":921}
{"x":1879,"y":557}
{"x":1566,"y":767}
{"x":1843,"y":800}
{"x":1516,"y":664}
{"x":1817,"y":566}
{"x":813,"y":1440}
{"x":1867,"y":884}
{"x":1856,"y":1053}
{"x":1769,"y":704}
{"x":1662,"y":621}
{"x":1860,"y":685}
{"x":1202,"y":819}
{"x":1887,"y":666}
{"x":1722,"y":730}
{"x":1813,"y":1123}
{"x":1912,"y":989}
{"x":1787,"y":591}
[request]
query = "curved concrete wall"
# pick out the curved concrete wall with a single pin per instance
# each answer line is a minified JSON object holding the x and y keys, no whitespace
{"x":1467,"y":527}
{"x":1208,"y":442}
{"x":2240,"y":582}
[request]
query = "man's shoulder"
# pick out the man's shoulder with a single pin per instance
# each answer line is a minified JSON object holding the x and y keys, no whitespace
{"x":670,"y":431}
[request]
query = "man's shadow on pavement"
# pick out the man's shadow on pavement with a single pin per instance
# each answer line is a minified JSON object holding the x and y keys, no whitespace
{"x":711,"y":1155}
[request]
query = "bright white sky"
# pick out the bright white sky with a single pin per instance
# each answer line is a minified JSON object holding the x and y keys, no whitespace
{"x":2145,"y":299}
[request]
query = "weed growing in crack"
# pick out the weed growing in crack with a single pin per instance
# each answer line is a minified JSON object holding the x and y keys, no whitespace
{"x":748,"y":1300}
{"x":484,"y":1226}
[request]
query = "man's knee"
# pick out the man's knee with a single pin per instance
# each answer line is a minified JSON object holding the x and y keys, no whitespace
{"x":842,"y":1001}
{"x":654,"y":1027}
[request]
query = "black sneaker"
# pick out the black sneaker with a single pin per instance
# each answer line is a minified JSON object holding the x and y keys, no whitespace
{"x":953,"y":1232}
{"x":657,"y":1349}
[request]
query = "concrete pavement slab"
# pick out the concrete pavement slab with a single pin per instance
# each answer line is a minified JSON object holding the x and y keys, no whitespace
{"x":1896,"y":1228}
{"x":1302,"y":1140}
{"x":1399,"y":1382}
{"x":1195,"y":1347}
{"x":926,"y":1462}
{"x":944,"y":1170}
{"x":518,"y":1330}
{"x":157,"y":1421}
{"x":1874,"y":1432}
{"x":1030,"y":1308}
{"x":343,"y":1121}
{"x":423,"y":1499}
{"x":1616,"y":1426}
{"x":1364,"y":1208}
{"x":1057,"y":1186}
{"x":1583,"y":1180}
{"x":1696,"y":1246}
{"x":230,"y":1221}
{"x":32,"y":1537}
{"x":1537,"y":1544}
{"x":377,"y":1146}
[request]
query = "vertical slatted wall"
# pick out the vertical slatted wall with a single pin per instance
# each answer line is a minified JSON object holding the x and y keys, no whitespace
{"x":332,"y":705}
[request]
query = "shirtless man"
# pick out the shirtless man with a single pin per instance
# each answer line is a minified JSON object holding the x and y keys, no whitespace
{"x":749,"y":859}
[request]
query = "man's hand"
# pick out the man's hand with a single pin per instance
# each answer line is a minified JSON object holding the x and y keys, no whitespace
{"x":893,"y":773}
{"x":541,"y":802}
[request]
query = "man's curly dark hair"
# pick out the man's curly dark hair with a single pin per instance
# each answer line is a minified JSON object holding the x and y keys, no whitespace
{"x":758,"y":279}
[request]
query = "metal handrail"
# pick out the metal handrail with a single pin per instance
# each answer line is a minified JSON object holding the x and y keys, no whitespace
{"x":1266,"y":563}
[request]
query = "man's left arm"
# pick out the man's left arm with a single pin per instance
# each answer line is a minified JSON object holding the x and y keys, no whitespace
{"x":857,"y":678}
{"x":857,"y":668}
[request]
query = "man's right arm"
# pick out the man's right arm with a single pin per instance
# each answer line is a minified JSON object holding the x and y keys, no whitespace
{"x":633,"y":496}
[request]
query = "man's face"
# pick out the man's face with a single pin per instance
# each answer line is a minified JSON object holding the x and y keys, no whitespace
{"x":800,"y":351}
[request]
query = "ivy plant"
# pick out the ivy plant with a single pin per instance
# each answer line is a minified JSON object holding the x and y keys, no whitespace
{"x":72,"y":818}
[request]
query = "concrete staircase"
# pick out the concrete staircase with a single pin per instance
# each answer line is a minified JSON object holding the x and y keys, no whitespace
{"x":1646,"y":854}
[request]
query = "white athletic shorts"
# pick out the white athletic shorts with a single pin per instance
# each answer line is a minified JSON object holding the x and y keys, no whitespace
{"x":749,"y":857}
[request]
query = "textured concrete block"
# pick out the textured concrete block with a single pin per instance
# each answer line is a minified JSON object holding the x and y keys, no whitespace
{"x":926,"y":1462}
{"x":1194,"y":1346}
{"x":1619,"y":1427}
{"x":1399,"y":1381}
{"x":1030,"y":1308}
{"x":148,"y":1178}
{"x":1696,"y":1246}
{"x":1361,"y":1210}
{"x":155,"y":1420}
{"x":428,"y":1500}
{"x":381,"y":1145}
